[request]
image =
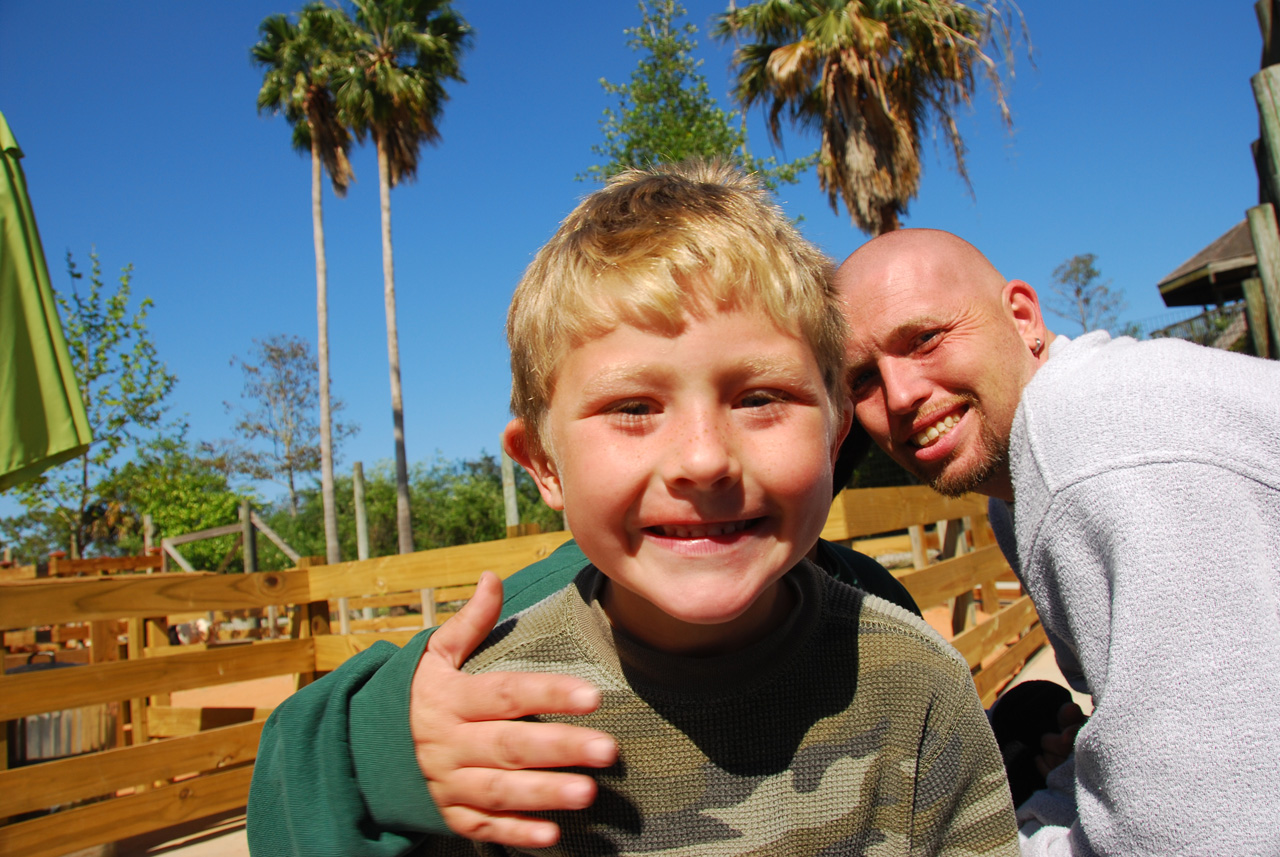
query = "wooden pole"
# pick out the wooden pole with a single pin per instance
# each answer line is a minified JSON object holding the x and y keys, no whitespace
{"x":1255,"y":307}
{"x":1266,"y":243}
{"x":362,"y":520}
{"x":509,"y":495}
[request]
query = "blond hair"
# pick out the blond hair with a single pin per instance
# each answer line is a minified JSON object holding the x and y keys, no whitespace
{"x":651,"y":249}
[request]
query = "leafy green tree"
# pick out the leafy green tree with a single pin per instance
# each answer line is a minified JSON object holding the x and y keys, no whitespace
{"x":454,"y":502}
{"x":666,"y":113}
{"x":278,"y":438}
{"x":1078,"y":294}
{"x":297,"y":59}
{"x":391,"y":86}
{"x":183,"y":492}
{"x":123,"y":384}
{"x":870,"y":75}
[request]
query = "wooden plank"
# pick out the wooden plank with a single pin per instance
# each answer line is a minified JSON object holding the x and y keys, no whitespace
{"x":107,"y":565}
{"x":17,"y":572}
{"x":95,"y":774}
{"x":333,"y":650}
{"x":292,"y":554}
{"x":120,"y":818}
{"x":872,"y":511}
{"x":169,"y":550}
{"x":453,"y":566}
{"x":387,"y":623}
{"x":1262,"y":221}
{"x":168,"y":721}
{"x":200,"y":535}
{"x":993,"y":677}
{"x":52,"y":690}
{"x":980,"y":642}
{"x":23,"y":605}
{"x":945,"y":580}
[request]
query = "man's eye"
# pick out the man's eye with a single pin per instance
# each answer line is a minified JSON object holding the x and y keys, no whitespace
{"x":859,"y":380}
{"x":929,"y":336}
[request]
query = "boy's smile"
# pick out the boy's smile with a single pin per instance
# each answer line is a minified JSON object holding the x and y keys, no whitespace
{"x":695,"y":471}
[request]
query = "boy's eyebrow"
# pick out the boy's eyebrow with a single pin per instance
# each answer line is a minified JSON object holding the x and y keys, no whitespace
{"x":750,"y":368}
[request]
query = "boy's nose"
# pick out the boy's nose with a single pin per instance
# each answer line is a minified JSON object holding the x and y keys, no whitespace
{"x":703,"y":457}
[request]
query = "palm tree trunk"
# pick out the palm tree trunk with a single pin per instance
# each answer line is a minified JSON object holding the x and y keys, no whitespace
{"x":332,"y":552}
{"x":404,"y":526}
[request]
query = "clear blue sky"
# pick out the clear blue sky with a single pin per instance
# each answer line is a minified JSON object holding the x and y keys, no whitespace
{"x":139,"y":125}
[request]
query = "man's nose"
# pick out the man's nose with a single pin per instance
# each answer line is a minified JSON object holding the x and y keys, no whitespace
{"x":905,"y":389}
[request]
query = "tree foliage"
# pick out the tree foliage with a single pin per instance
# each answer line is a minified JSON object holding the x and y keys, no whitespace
{"x":123,"y":384}
{"x":1078,"y":294}
{"x":454,"y":503}
{"x":666,"y":113}
{"x":870,"y":76}
{"x":278,"y":433}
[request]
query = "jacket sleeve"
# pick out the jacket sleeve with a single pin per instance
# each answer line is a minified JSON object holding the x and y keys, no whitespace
{"x":1161,"y":580}
{"x":336,"y":772}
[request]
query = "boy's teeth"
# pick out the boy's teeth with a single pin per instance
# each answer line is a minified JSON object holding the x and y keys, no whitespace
{"x":724,"y":529}
{"x":935,"y":431}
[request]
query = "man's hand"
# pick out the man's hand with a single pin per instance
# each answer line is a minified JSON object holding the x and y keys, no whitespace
{"x":1057,"y":746}
{"x":474,"y":758}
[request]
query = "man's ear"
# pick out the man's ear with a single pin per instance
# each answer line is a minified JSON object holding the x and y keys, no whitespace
{"x":1023,"y":305}
{"x":515,"y":440}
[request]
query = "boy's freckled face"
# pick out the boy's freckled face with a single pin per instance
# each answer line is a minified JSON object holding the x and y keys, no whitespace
{"x":695,"y":471}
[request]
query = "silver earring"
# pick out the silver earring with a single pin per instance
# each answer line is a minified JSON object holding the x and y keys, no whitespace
{"x":1039,"y":346}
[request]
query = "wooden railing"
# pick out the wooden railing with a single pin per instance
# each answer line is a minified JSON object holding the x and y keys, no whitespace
{"x":149,"y":783}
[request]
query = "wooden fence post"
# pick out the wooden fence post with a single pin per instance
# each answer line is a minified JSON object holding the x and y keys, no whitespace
{"x":362,"y":521}
{"x":310,"y":620}
{"x":509,"y":503}
{"x":1266,"y":242}
{"x":1255,"y":307}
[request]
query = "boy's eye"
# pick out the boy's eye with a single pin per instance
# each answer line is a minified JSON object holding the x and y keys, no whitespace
{"x":631,"y":408}
{"x":759,"y":399}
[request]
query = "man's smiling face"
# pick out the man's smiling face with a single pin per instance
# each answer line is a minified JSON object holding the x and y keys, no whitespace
{"x":938,"y":357}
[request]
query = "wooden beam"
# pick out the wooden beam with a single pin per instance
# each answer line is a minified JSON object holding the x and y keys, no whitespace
{"x":93,"y":775}
{"x":983,"y":640}
{"x":1266,"y":243}
{"x":168,"y":721}
{"x":53,"y":690}
{"x":334,"y":650}
{"x":1255,"y":308}
{"x":200,"y":535}
{"x":938,"y":583}
{"x":120,"y":818}
{"x":292,"y":554}
{"x":27,"y":604}
{"x":172,"y":551}
{"x":993,"y":677}
{"x":106,"y":564}
{"x":452,"y":566}
{"x":872,"y":511}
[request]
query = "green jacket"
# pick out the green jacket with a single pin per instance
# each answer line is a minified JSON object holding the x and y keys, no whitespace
{"x":336,"y":772}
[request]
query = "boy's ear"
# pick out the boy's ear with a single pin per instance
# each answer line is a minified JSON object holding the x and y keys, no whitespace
{"x":515,"y":440}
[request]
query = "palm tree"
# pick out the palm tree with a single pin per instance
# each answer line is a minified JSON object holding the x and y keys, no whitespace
{"x":297,"y":59}
{"x":869,"y":74}
{"x":392,"y":87}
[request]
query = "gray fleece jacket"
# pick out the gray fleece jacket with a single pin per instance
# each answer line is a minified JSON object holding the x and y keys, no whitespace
{"x":1146,"y":528}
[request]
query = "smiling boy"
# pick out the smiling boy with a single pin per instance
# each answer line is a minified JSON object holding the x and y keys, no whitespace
{"x":678,"y":391}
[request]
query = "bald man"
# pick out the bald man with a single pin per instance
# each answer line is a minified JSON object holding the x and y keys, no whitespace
{"x":1136,"y":490}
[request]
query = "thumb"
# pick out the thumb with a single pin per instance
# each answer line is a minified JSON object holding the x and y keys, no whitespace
{"x":457,"y":638}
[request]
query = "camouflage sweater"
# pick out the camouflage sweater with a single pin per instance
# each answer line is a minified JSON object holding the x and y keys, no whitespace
{"x":852,"y":729}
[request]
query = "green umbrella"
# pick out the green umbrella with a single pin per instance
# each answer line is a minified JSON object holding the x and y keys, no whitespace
{"x":42,"y":418}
